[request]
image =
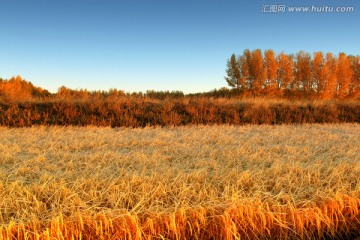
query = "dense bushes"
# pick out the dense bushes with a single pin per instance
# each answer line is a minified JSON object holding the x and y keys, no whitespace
{"x":141,"y":112}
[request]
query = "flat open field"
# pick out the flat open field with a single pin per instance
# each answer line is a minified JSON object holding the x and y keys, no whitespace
{"x":198,"y":182}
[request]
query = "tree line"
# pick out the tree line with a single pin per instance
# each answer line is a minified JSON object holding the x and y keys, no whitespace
{"x":316,"y":76}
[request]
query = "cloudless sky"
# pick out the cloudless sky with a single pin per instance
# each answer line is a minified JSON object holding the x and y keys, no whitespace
{"x":139,"y":45}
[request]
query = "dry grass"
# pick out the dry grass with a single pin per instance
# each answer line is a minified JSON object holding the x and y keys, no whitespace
{"x":198,"y":182}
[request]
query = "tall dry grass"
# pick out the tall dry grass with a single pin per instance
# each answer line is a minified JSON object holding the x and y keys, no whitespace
{"x":199,"y":182}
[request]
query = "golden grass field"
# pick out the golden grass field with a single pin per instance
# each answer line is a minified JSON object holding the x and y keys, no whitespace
{"x":193,"y":182}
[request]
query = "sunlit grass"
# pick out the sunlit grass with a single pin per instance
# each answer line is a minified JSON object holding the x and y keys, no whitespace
{"x":200,"y":182}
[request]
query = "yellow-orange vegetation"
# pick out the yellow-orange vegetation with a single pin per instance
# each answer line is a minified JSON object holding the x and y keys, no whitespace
{"x":17,"y":89}
{"x":193,"y":182}
{"x":344,"y":76}
{"x":304,"y":76}
{"x":285,"y":71}
{"x":271,"y":84}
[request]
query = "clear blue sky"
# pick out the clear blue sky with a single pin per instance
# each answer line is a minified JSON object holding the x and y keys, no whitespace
{"x":137,"y":45}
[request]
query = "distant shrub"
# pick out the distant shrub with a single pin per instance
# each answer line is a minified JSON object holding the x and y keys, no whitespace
{"x":141,"y":112}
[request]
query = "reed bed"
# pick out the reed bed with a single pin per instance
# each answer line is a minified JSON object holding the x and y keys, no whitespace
{"x":190,"y":182}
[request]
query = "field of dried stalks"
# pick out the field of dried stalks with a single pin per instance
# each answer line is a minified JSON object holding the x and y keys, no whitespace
{"x":198,"y":182}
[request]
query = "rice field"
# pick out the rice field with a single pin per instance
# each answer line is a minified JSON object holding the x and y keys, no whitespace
{"x":191,"y":182}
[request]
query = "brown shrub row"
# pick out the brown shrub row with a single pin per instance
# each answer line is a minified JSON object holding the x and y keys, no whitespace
{"x":145,"y":112}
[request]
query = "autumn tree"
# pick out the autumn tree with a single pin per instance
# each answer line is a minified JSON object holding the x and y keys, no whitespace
{"x":64,"y":92}
{"x":344,"y":76}
{"x":234,"y":78}
{"x":115,"y":93}
{"x":355,"y":82}
{"x":257,"y":72}
{"x":246,"y":68}
{"x":271,"y":84}
{"x":285,"y":73}
{"x":327,"y":88}
{"x":319,"y":73}
{"x":16,"y":89}
{"x":303,"y":73}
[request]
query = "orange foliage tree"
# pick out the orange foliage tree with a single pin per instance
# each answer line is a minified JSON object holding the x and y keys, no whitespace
{"x":271,"y":83}
{"x":305,"y":76}
{"x":355,"y":81}
{"x":344,"y":76}
{"x":17,"y":89}
{"x":285,"y":74}
{"x":303,"y":72}
{"x":258,"y":72}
